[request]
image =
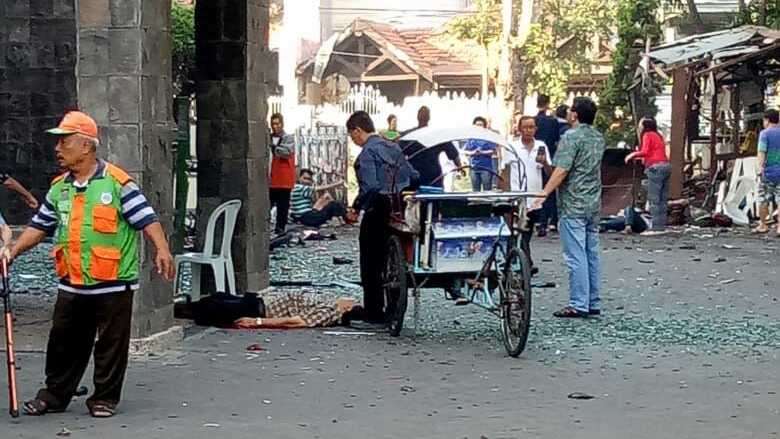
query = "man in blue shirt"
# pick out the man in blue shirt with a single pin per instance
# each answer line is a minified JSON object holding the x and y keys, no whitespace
{"x":481,"y":153}
{"x":382,"y":172}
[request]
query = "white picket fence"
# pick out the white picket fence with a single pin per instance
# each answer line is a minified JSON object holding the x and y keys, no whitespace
{"x":450,"y":109}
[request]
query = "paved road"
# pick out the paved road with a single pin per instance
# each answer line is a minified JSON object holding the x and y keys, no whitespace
{"x":688,"y":347}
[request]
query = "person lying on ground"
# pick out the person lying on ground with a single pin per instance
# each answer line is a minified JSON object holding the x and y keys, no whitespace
{"x":303,"y":208}
{"x":295,"y":310}
{"x":11,"y":183}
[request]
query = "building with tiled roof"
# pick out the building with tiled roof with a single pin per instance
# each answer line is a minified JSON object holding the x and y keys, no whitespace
{"x":399,"y":62}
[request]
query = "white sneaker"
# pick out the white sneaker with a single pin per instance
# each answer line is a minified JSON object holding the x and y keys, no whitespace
{"x":653,"y":233}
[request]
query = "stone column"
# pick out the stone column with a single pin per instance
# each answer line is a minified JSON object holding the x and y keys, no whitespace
{"x":37,"y":84}
{"x":124,"y":82}
{"x":233,"y":71}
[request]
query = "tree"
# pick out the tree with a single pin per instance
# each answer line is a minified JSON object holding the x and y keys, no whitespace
{"x":762,"y":13}
{"x":512,"y":69}
{"x":483,"y":28}
{"x":638,"y":29}
{"x":561,"y":42}
{"x":530,"y":53}
{"x":183,"y":43}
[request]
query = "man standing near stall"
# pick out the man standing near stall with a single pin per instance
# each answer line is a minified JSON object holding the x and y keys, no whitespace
{"x":96,"y":210}
{"x":577,"y":175}
{"x":382,"y":172}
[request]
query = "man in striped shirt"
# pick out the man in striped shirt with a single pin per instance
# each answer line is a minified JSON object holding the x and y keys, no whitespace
{"x":305,"y":210}
{"x":95,"y":211}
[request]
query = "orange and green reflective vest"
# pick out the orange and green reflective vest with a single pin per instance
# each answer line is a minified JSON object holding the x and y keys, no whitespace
{"x":94,"y":244}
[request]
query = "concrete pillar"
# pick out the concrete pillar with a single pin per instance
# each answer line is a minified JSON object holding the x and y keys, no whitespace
{"x":234,"y":69}
{"x":37,"y":84}
{"x":112,"y":59}
{"x":124,"y":82}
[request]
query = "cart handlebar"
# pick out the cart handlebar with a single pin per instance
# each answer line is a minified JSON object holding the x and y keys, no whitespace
{"x":486,"y":196}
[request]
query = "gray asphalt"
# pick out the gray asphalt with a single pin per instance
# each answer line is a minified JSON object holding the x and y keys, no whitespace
{"x":688,"y":347}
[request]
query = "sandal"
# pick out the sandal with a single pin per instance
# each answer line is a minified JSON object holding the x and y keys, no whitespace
{"x":569,"y":312}
{"x":101,"y":410}
{"x":759,"y":230}
{"x":38,"y":407}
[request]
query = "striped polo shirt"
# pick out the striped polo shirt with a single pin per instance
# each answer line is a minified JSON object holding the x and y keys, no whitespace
{"x":301,"y":200}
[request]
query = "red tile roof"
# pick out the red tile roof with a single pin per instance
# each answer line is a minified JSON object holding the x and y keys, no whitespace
{"x":419,"y":46}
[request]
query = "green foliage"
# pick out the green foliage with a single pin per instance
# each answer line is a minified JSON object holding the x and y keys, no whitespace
{"x":637,"y":21}
{"x":752,"y":15}
{"x":483,"y":27}
{"x":573,"y":23}
{"x":183,"y":42}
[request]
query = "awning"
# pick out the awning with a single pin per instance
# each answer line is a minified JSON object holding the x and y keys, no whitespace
{"x":689,"y":49}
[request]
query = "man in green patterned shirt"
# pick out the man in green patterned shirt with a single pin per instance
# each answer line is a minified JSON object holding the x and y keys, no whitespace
{"x":577,"y":177}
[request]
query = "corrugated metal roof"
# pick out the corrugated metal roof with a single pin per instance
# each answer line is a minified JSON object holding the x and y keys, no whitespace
{"x":717,"y":44}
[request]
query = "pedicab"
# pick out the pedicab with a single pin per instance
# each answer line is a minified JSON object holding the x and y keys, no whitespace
{"x":464,"y":243}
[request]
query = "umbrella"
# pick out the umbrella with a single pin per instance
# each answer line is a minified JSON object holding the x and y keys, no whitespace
{"x":429,"y":136}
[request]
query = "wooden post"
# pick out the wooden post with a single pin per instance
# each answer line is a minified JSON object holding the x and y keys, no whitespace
{"x":714,"y":129}
{"x":681,"y":85}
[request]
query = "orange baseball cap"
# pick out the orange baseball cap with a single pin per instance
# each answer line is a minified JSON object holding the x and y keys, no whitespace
{"x":76,"y":122}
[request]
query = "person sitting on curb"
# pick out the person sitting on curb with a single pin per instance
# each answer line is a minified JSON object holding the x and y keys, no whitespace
{"x":294,"y":310}
{"x":303,"y":208}
{"x":11,"y":183}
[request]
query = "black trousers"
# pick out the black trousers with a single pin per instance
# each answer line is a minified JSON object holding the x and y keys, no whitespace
{"x":77,"y":319}
{"x":281,"y":199}
{"x":525,"y":238}
{"x":374,"y":231}
{"x":316,"y":218}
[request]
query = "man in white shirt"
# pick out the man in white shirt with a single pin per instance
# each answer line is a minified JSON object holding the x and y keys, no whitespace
{"x":526,"y":175}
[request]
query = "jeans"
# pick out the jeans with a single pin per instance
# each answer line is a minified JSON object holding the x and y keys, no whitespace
{"x":481,"y":180}
{"x":580,"y":240}
{"x":658,"y":193}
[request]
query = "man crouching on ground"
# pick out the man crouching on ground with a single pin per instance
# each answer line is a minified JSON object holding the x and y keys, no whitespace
{"x":99,"y":210}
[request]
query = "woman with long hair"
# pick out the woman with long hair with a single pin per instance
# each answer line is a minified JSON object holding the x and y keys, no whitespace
{"x":657,"y":169}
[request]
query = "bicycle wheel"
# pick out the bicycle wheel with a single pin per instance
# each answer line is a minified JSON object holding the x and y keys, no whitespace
{"x":515,"y":292}
{"x":394,"y":285}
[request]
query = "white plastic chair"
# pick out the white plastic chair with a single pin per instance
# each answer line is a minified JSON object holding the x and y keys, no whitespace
{"x":743,"y":190}
{"x":222,"y":263}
